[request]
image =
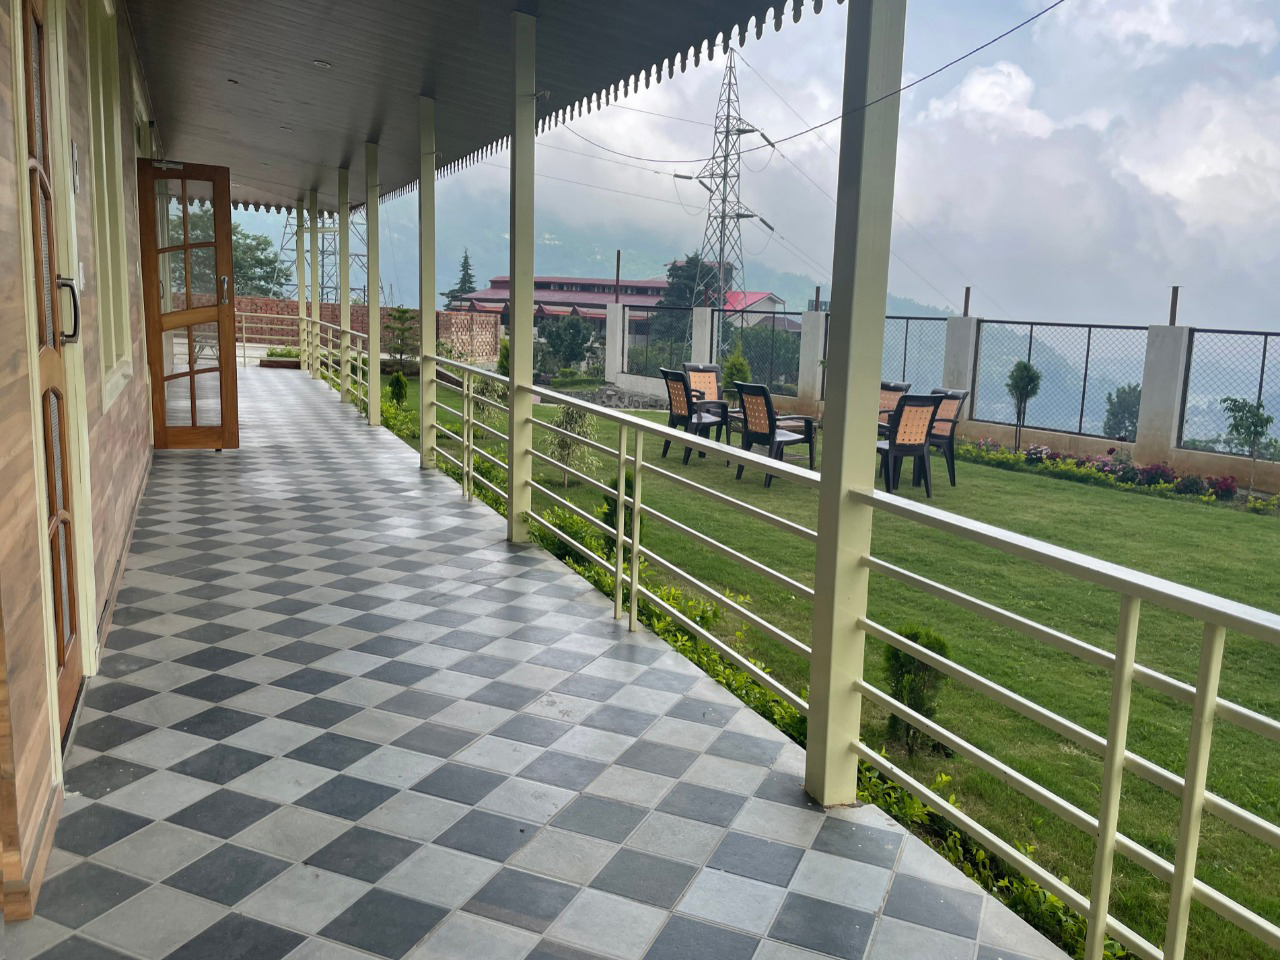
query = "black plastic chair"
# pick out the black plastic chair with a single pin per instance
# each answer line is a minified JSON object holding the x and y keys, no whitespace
{"x":910,"y":426}
{"x":943,"y":435}
{"x":760,"y":425}
{"x":890,"y":392}
{"x":683,"y":411}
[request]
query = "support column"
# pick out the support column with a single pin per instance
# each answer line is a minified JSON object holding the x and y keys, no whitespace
{"x":524,"y":118}
{"x":374,"y":299}
{"x":809,"y":388}
{"x":615,"y":332}
{"x":427,"y":279}
{"x":960,"y":353}
{"x":344,"y":280}
{"x":317,"y":351}
{"x":1164,"y":375}
{"x":860,"y":280}
{"x":700,"y":335}
{"x":300,"y":275}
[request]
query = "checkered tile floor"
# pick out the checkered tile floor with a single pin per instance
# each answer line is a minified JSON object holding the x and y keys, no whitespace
{"x":340,"y":717}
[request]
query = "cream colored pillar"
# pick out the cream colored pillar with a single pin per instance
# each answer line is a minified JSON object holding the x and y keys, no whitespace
{"x":427,"y":279}
{"x":374,"y":299}
{"x":520,"y":419}
{"x":344,"y":280}
{"x":860,"y":279}
{"x":300,"y":275}
{"x":313,"y":210}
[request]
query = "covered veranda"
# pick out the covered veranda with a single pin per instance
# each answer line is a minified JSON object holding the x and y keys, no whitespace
{"x":341,"y":716}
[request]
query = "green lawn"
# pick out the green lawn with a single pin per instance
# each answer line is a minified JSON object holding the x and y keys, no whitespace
{"x":1223,"y":551}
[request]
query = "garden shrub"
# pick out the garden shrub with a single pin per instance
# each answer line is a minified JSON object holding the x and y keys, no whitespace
{"x":566,"y":449}
{"x":915,"y":685}
{"x":1191,"y":485}
{"x":403,"y":423}
{"x":1037,"y":453}
{"x":284,"y":353}
{"x":398,"y":388}
{"x":1154,"y":474}
{"x":1222,"y":488}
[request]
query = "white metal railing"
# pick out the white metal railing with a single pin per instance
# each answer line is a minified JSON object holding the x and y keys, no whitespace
{"x":1216,"y":614}
{"x":359,"y":368}
{"x":283,"y":332}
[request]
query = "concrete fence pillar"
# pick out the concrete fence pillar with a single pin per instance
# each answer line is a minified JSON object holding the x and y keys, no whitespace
{"x":813,"y":328}
{"x":1163,"y":379}
{"x":615,"y":342}
{"x":703,"y":317}
{"x":959,"y":354}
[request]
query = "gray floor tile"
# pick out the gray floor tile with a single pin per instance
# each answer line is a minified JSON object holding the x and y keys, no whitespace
{"x":236,"y":936}
{"x":684,"y":938}
{"x":84,"y":892}
{"x":521,"y":899}
{"x":606,"y":924}
{"x":934,"y":905}
{"x":825,"y":927}
{"x":384,"y":923}
{"x":644,"y":877}
{"x":487,"y":835}
{"x":155,"y":922}
{"x":757,"y":858}
{"x":362,"y":854}
{"x":227,"y":874}
{"x":856,"y":841}
{"x":601,"y":818}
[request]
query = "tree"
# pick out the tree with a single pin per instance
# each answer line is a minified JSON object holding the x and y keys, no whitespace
{"x":567,"y":338}
{"x":1121,"y":421}
{"x":259,"y":269}
{"x":403,"y":333}
{"x":466,"y":280}
{"x":690,"y":283}
{"x":1023,"y":384}
{"x":736,"y":369}
{"x":1247,"y":427}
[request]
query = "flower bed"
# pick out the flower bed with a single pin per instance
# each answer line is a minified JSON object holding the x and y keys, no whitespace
{"x":1117,"y":469}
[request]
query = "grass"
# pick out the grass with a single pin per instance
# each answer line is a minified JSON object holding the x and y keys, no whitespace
{"x":1214,"y":549}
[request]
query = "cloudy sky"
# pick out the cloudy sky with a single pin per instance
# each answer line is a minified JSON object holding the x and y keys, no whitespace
{"x":1073,"y":171}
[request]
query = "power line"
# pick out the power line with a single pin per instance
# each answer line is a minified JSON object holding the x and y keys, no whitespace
{"x":665,"y":116}
{"x":945,"y":259}
{"x":596,"y":186}
{"x":848,"y":113}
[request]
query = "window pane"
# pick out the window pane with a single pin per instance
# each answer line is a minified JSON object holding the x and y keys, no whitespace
{"x":169,"y":230}
{"x":208,"y":399}
{"x":199,"y":211}
{"x":204,"y":278}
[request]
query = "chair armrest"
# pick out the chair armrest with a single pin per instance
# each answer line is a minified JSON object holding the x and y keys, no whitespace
{"x":697,"y":394}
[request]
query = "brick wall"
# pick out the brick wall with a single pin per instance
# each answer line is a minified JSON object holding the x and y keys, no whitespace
{"x":475,"y":335}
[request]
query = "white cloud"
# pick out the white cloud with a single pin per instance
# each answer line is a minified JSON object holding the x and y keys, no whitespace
{"x":1214,"y":154}
{"x":995,"y":100}
{"x":1150,"y":29}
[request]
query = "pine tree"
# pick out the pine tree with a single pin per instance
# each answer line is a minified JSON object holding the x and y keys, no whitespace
{"x":466,"y":280}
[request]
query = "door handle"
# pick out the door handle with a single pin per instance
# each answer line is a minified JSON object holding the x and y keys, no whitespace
{"x":224,"y":288}
{"x":74,"y":335}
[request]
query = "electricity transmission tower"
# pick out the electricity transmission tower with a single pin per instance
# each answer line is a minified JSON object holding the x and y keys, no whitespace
{"x":328,"y":235}
{"x":721,"y":270}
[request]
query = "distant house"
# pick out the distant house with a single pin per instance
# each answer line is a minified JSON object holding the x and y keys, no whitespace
{"x":567,"y":296}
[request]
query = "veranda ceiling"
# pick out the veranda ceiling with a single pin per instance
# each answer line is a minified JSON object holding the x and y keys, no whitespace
{"x":235,"y":83}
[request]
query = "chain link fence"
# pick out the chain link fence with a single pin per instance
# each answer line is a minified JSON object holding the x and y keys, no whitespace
{"x":655,"y":338}
{"x":769,"y":343}
{"x":914,"y":351}
{"x":1229,"y":364}
{"x":1090,"y":376}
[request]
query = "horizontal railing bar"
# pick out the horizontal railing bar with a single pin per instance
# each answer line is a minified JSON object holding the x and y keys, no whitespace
{"x":478,"y":371}
{"x":1181,"y":599}
{"x":1220,"y":807}
{"x":1006,"y":851}
{"x":457,"y":463}
{"x":485,"y":455}
{"x":488,"y":429}
{"x":757,"y":621}
{"x":500,"y":494}
{"x":768,"y":572}
{"x":742,"y":507}
{"x":778,"y":468}
{"x":445,"y":406}
{"x":491,"y":403}
{"x":1241,"y":716}
{"x":576,"y":438}
{"x":982,"y":760}
{"x":1244,"y":918}
{"x":1044,"y":323}
{"x":762,"y":678}
{"x":590,"y":481}
{"x":570,"y":542}
{"x":573,"y":508}
{"x":450,"y":434}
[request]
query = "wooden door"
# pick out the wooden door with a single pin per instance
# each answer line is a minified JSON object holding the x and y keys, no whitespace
{"x":188,"y":290}
{"x":51,"y":370}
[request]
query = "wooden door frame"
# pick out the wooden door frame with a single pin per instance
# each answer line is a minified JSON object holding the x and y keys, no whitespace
{"x":225,"y":436}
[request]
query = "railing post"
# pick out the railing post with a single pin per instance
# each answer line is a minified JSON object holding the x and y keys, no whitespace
{"x":344,"y":281}
{"x":860,"y":280}
{"x":244,"y":341}
{"x":524,"y":121}
{"x":427,"y":281}
{"x":1202,"y":714}
{"x":372,"y":184}
{"x":468,"y":457}
{"x":313,"y":217}
{"x":636,"y":474}
{"x":620,"y":522}
{"x":1112,"y":775}
{"x":300,"y":276}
